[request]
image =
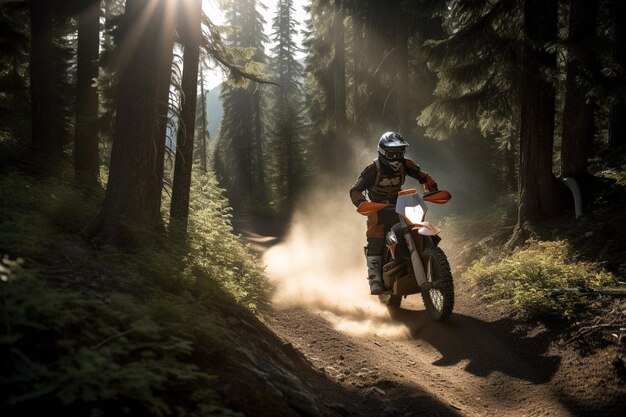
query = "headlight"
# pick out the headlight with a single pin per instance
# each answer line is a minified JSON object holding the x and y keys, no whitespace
{"x":414,"y":214}
{"x":392,"y":239}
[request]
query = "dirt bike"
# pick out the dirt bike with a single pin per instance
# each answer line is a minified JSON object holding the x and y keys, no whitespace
{"x":413,"y":262}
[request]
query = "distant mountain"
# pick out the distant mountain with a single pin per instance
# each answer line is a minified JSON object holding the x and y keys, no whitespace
{"x":214,"y":107}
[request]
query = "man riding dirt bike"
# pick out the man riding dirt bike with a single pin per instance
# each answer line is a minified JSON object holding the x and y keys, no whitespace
{"x":403,"y":256}
{"x":383,"y":179}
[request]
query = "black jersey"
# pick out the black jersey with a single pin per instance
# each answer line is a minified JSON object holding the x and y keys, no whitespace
{"x":382,"y":183}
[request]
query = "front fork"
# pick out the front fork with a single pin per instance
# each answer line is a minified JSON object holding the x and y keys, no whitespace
{"x":416,"y":260}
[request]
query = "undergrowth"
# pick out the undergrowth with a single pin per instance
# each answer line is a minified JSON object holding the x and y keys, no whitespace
{"x":557,"y":273}
{"x":542,"y":279}
{"x":89,"y":330}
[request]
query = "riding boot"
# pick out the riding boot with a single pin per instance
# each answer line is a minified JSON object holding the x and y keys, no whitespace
{"x":374,"y":275}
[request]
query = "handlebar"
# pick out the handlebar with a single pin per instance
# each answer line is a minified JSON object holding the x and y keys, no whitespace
{"x":439,"y":197}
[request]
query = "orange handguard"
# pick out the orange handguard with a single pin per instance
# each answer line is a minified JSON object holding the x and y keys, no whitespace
{"x":367,"y":207}
{"x":438,"y":197}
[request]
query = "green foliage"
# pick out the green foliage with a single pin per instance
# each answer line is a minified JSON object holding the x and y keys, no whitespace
{"x":34,"y":211}
{"x":287,"y":167}
{"x":616,"y":174}
{"x":477,"y":64}
{"x":238,"y":158}
{"x":215,"y":253}
{"x":101,"y":332}
{"x":539,"y":280}
{"x":68,"y":348}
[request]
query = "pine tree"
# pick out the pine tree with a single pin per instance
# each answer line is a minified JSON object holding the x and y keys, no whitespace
{"x":190,"y":28}
{"x":128,"y":201}
{"x":579,"y":108}
{"x":539,"y":192}
{"x":477,"y":64}
{"x":52,"y":80}
{"x":341,"y":152}
{"x":319,"y":85}
{"x":477,"y":58}
{"x":617,"y":113}
{"x":287,"y":123}
{"x":202,"y":131}
{"x":86,"y":154}
{"x":239,"y":151}
{"x":15,"y":109}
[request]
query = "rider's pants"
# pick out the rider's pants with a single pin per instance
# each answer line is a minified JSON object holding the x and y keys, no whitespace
{"x":378,"y":225}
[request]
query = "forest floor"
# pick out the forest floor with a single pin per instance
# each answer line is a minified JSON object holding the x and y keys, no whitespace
{"x":480,"y":362}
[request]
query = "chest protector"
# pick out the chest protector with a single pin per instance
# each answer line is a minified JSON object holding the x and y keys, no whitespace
{"x":387,"y":183}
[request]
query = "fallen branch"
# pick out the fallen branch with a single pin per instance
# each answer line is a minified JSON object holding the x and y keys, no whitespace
{"x":610,"y":320}
{"x":611,"y":291}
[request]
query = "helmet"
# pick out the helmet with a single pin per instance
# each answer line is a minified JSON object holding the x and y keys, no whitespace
{"x":391,"y":149}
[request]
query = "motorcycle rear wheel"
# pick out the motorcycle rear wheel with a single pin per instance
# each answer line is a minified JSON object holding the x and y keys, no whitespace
{"x":438,"y":301}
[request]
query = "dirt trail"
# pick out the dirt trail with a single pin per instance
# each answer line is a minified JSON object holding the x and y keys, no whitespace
{"x":412,"y":365}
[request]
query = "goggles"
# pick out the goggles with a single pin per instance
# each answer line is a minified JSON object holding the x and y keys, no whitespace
{"x":393,"y":154}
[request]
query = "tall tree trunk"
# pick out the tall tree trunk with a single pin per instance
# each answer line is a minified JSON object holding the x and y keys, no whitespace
{"x":258,"y":139}
{"x":402,"y":84}
{"x":578,"y":112}
{"x":537,"y":188}
{"x":617,"y":111}
{"x":44,"y":143}
{"x":86,"y":155}
{"x":156,"y":151}
{"x":179,"y":211}
{"x":291,"y":171}
{"x":509,"y":160}
{"x":204,"y":131}
{"x":126,"y":203}
{"x":245,"y":164}
{"x":340,"y":91}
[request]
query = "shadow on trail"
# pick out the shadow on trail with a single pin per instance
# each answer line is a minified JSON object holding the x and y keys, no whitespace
{"x":260,"y":232}
{"x":464,"y":338}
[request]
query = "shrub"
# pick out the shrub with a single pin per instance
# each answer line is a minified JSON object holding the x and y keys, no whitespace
{"x":539,"y":280}
{"x":94,"y":331}
{"x":109,"y":356}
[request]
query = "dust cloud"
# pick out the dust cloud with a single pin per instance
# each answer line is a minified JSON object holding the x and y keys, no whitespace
{"x":320,"y":265}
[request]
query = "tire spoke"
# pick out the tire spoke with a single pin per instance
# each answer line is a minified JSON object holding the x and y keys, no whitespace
{"x":438,"y":301}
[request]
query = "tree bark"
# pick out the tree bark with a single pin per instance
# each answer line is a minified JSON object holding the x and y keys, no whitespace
{"x":340,"y":91}
{"x":578,"y":112}
{"x":179,"y":210}
{"x":45,"y":144}
{"x":510,"y":173}
{"x":156,"y":152}
{"x":617,"y":111}
{"x":86,"y":154}
{"x":126,"y":206}
{"x":538,"y":189}
{"x":204,"y":125}
{"x":258,"y":139}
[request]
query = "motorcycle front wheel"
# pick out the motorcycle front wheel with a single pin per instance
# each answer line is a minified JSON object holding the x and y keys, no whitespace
{"x":438,"y":301}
